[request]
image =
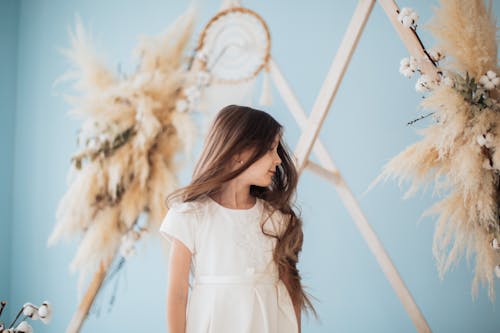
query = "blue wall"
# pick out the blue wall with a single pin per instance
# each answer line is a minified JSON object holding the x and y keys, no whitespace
{"x":364,"y":129}
{"x":9,"y":18}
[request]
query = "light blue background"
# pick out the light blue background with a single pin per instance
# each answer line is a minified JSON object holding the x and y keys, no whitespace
{"x":365,"y":128}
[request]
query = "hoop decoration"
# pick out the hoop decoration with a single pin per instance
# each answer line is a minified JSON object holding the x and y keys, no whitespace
{"x":234,"y":46}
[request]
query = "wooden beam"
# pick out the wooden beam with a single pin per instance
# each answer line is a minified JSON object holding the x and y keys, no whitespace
{"x":332,"y":82}
{"x":82,"y":312}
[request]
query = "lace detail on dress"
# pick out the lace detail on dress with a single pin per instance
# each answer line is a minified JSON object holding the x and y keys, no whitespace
{"x":256,"y":247}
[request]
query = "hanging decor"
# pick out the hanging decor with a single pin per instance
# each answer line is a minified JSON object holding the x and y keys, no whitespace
{"x":233,"y":48}
{"x":460,"y":149}
{"x":131,"y":133}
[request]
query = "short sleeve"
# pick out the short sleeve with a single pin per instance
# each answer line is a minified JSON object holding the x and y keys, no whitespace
{"x":180,"y":223}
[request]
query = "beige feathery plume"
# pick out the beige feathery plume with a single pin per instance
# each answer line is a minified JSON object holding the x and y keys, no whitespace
{"x":449,"y":155}
{"x":467,"y":30}
{"x":129,"y":140}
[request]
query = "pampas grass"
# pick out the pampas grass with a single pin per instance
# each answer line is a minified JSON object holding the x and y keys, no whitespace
{"x":128,"y":142}
{"x":449,"y":155}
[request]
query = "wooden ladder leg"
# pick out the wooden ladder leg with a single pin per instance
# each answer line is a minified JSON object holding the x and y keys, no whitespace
{"x":83,"y":309}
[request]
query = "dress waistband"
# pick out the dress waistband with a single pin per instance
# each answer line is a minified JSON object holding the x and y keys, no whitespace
{"x":255,"y":278}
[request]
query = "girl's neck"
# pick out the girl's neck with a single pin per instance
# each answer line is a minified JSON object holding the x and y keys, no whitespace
{"x":233,"y":196}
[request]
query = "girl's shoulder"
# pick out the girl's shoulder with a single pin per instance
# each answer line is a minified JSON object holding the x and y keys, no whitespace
{"x":187,"y":207}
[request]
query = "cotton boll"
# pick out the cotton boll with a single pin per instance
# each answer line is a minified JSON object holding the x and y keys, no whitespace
{"x":489,"y":86}
{"x":424,"y":83}
{"x":481,"y":140}
{"x":435,"y":55}
{"x":484,"y":80}
{"x":127,"y":247}
{"x":408,"y":17}
{"x":491,"y":74}
{"x":489,"y":80}
{"x":30,"y":311}
{"x":181,"y":105}
{"x":45,"y":312}
{"x":497,"y":271}
{"x":489,"y":139}
{"x":24,"y":327}
{"x":495,"y":244}
{"x":203,"y":78}
{"x":408,"y":66}
{"x":407,"y":21}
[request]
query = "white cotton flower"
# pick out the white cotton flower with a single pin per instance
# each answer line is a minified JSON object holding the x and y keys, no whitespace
{"x":435,"y":55}
{"x":486,"y":140}
{"x":30,"y":311}
{"x":181,"y":105}
{"x":93,"y":144}
{"x":127,"y":246}
{"x":408,"y":66}
{"x":192,"y":94}
{"x":489,"y":80}
{"x":424,"y":83}
{"x":202,"y":56}
{"x":495,"y":244}
{"x":408,"y":17}
{"x":103,"y":137}
{"x":203,"y":78}
{"x":24,"y":327}
{"x":45,"y":312}
{"x":497,"y":271}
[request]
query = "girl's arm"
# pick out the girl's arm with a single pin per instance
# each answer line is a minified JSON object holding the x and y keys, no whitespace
{"x":177,"y":287}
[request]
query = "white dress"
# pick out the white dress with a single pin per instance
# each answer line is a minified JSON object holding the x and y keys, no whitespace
{"x":235,"y":286}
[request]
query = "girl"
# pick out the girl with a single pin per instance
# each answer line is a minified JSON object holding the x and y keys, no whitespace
{"x":234,"y":230}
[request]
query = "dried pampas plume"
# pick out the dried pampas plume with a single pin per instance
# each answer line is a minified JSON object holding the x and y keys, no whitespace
{"x":458,"y":152}
{"x":127,"y":144}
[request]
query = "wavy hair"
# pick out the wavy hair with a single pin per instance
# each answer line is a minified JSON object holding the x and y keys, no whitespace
{"x":235,"y":129}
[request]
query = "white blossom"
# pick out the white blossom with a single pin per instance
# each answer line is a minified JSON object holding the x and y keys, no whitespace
{"x":495,"y":244}
{"x":192,"y":94}
{"x":45,"y":312}
{"x":489,"y":80}
{"x":30,"y":311}
{"x":497,"y":271}
{"x":408,"y":66}
{"x":485,"y":140}
{"x":408,"y":17}
{"x":181,"y":105}
{"x":424,"y":83}
{"x":203,"y":78}
{"x":202,"y":56}
{"x":127,"y":247}
{"x":435,"y":55}
{"x":24,"y":327}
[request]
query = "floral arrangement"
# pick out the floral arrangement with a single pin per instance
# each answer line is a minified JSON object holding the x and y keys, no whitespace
{"x":459,"y":151}
{"x":133,"y":127}
{"x":42,"y":312}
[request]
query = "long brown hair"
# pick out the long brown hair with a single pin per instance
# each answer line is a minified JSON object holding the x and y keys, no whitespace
{"x":237,"y":128}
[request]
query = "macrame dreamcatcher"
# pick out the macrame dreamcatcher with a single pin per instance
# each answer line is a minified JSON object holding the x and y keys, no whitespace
{"x":233,"y":48}
{"x":460,"y":150}
{"x":125,"y":165}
